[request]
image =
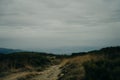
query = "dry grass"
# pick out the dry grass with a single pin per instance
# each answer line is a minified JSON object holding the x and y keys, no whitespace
{"x":74,"y":69}
{"x":85,"y":58}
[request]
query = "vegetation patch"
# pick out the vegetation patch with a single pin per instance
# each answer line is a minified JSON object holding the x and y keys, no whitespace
{"x":101,"y":64}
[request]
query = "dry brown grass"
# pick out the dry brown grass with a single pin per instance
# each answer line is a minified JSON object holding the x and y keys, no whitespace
{"x":74,"y":69}
{"x":85,"y":58}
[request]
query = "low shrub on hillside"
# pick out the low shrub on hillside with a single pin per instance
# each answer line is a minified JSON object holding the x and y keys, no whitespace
{"x":24,"y":61}
{"x":102,"y":70}
{"x":102,"y":64}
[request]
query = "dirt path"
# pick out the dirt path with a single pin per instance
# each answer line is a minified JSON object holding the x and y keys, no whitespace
{"x":50,"y":73}
{"x":15,"y":76}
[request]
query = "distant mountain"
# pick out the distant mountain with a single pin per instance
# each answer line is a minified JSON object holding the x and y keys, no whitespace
{"x":5,"y":50}
{"x":68,"y":50}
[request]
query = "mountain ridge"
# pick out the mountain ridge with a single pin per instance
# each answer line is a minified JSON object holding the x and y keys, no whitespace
{"x":7,"y":50}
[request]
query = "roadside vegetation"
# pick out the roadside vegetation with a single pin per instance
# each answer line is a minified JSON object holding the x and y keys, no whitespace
{"x":102,"y":64}
{"x":26,"y":61}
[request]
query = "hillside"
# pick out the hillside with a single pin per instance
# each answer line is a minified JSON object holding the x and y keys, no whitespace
{"x":100,"y":64}
{"x":25,"y":60}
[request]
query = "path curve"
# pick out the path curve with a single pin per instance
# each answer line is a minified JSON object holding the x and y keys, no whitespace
{"x":49,"y":74}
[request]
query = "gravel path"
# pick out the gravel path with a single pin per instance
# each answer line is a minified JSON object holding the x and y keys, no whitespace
{"x":49,"y":74}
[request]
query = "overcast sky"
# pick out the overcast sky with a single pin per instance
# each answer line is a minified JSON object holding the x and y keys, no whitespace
{"x":46,"y":24}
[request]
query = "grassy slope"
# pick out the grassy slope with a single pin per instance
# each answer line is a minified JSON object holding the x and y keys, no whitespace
{"x":95,"y":65}
{"x":25,"y":61}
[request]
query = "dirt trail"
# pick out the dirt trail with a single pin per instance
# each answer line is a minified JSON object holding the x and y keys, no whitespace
{"x":15,"y":76}
{"x":50,"y":73}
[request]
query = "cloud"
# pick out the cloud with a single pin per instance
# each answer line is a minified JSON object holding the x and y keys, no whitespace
{"x":42,"y":12}
{"x":57,"y":23}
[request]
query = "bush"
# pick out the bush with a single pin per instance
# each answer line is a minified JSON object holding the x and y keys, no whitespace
{"x":102,"y":70}
{"x":25,"y":60}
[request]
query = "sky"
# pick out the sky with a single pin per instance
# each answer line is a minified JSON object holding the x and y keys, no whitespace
{"x":76,"y":25}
